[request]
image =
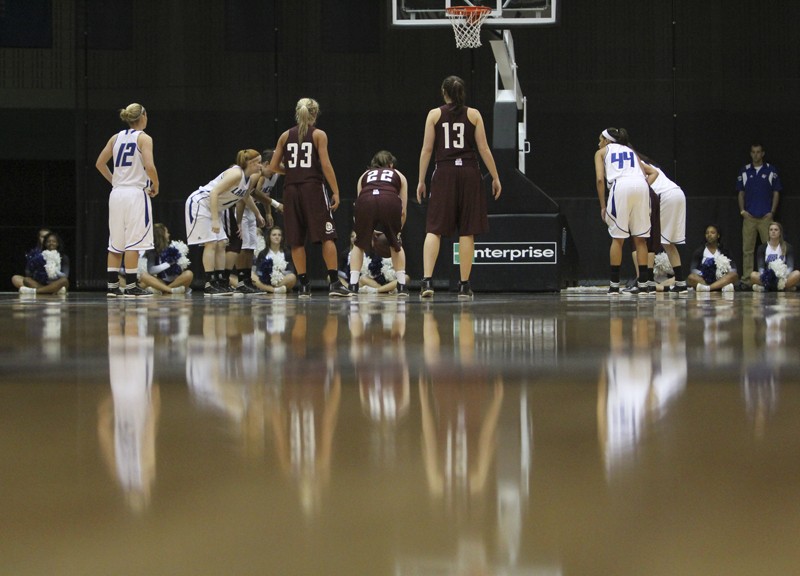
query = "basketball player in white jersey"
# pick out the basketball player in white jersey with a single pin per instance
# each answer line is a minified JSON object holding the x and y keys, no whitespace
{"x":134,"y":182}
{"x":627,"y":213}
{"x":240,"y":252}
{"x":672,"y":202}
{"x":204,"y":210}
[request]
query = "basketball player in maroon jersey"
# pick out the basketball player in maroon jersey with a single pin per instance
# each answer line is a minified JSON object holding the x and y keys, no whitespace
{"x":453,"y":135}
{"x":302,"y":155}
{"x":381,"y":204}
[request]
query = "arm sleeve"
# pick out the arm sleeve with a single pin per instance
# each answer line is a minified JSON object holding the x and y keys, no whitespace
{"x":761,"y":257}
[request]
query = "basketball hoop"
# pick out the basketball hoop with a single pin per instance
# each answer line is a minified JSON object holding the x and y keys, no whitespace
{"x":466,"y":21}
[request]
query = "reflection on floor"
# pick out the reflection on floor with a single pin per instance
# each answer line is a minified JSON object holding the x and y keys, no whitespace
{"x":539,"y":434}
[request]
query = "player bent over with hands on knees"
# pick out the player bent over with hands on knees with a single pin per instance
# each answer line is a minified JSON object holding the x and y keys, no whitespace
{"x":382,"y":203}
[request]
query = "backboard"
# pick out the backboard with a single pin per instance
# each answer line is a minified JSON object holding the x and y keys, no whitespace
{"x":505,"y":13}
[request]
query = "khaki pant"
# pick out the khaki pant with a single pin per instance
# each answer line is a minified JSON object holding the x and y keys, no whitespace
{"x":751,"y":226}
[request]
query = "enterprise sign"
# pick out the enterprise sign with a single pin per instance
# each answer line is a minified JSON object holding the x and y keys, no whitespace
{"x":511,"y":253}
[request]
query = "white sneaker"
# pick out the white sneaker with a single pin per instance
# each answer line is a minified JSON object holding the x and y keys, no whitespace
{"x":368,"y":290}
{"x":62,"y":290}
{"x":179,"y":290}
{"x":280,"y":290}
{"x":757,"y":288}
{"x":27,"y":290}
{"x":703,"y":288}
{"x":728,"y":288}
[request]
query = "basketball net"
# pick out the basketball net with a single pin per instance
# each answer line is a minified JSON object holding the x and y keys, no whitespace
{"x":466,"y":21}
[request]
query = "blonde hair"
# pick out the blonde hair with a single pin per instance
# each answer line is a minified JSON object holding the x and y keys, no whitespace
{"x":132,"y":113}
{"x":244,"y":156}
{"x":306,"y":114}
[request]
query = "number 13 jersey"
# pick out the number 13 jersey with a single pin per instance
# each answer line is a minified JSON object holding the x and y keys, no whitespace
{"x":455,"y":135}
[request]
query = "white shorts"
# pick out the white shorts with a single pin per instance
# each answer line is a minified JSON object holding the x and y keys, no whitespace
{"x":198,"y":221}
{"x":130,"y":220}
{"x":628,"y":208}
{"x":248,"y":230}
{"x":673,"y":216}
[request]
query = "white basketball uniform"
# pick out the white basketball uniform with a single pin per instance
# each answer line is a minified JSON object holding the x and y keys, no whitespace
{"x":672,"y":202}
{"x":248,"y":225}
{"x":771,"y":254}
{"x":628,"y":207}
{"x":130,"y":220}
{"x":198,"y":210}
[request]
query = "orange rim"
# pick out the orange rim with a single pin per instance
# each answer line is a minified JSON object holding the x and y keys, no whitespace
{"x":467,"y":10}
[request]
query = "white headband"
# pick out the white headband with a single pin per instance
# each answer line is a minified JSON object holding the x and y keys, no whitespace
{"x":608,"y":136}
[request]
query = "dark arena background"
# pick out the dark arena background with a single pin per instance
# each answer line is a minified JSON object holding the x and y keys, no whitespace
{"x":545,"y":427}
{"x":695,"y":83}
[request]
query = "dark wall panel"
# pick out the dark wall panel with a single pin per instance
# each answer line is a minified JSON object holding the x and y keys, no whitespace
{"x":694,"y":82}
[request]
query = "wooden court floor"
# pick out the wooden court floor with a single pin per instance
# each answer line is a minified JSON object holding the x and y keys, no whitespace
{"x":525,"y":434}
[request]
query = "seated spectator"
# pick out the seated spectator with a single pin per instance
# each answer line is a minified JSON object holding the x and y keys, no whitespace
{"x":712,"y":268}
{"x":775,"y":262}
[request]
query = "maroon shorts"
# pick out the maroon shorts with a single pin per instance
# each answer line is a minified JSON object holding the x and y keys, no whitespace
{"x":307,"y":214}
{"x":382,"y":211}
{"x":457,"y":201}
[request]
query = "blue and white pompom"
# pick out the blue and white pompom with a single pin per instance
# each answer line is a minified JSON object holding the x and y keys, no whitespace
{"x":278,"y":268}
{"x":44,"y":266}
{"x":379,"y":269}
{"x":774,"y":276}
{"x":723,"y":264}
{"x":177,"y":256}
{"x":272,"y":268}
{"x":387,"y":270}
{"x":52,"y":264}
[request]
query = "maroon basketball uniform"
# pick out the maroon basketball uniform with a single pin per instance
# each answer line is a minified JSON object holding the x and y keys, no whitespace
{"x":378,"y":207}
{"x":306,"y":208}
{"x":457,"y":202}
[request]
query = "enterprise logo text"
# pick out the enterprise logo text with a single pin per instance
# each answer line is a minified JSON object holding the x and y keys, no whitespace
{"x":512,"y":253}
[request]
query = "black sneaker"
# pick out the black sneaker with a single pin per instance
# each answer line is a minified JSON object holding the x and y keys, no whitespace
{"x":613,"y":290}
{"x":426,"y":288}
{"x":464,"y":291}
{"x":678,"y":289}
{"x":114,"y":292}
{"x":246,"y":289}
{"x":638,"y":290}
{"x":213,"y":289}
{"x":352,"y":287}
{"x":224,"y":287}
{"x":304,"y":291}
{"x":136,"y":292}
{"x":651,"y":288}
{"x":402,"y":291}
{"x":339,"y":290}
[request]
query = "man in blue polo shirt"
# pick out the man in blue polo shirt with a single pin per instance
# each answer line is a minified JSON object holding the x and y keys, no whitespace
{"x":759,"y":189}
